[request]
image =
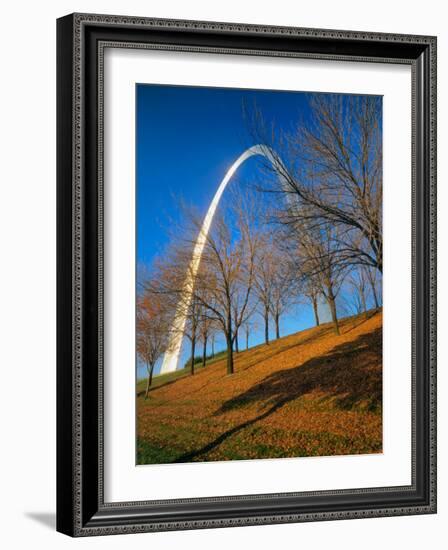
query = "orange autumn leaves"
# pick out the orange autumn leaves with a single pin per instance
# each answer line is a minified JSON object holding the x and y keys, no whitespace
{"x":309,"y":394}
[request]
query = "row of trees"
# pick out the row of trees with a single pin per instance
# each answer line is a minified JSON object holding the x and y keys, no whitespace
{"x":311,"y":227}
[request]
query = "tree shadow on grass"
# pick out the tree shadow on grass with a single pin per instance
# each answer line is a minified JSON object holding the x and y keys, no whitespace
{"x":350,"y":374}
{"x":188,"y":457}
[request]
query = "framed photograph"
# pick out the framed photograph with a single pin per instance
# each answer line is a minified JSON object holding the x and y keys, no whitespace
{"x":237,"y":343}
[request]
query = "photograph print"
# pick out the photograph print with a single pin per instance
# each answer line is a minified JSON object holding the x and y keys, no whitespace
{"x":258,"y":274}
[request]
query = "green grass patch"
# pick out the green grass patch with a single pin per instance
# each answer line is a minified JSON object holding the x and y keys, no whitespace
{"x":209,"y":359}
{"x":148,"y":453}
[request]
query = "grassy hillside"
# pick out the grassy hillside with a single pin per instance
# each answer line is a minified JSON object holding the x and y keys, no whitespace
{"x":163,"y":379}
{"x":311,"y":393}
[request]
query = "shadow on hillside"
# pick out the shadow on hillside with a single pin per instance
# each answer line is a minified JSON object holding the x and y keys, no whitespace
{"x":262,"y":353}
{"x":342,"y":374}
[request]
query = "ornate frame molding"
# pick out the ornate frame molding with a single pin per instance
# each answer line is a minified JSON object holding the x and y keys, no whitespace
{"x":81,"y":42}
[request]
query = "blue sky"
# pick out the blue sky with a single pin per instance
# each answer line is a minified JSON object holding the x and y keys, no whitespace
{"x":187,"y":138}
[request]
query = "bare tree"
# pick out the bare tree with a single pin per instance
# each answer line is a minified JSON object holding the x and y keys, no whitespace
{"x":192,"y":327}
{"x":213,"y":337}
{"x":358,"y":281}
{"x":332,"y":164}
{"x":374,"y":277}
{"x":310,"y":289}
{"x":227,"y":272}
{"x":218,"y":284}
{"x":363,"y":281}
{"x":152,"y":331}
{"x":247,"y":331}
{"x":207,"y":331}
{"x":264,"y":281}
{"x":248,"y":326}
{"x":317,"y":254}
{"x":275,"y":285}
{"x":285,"y":289}
{"x":172,"y":274}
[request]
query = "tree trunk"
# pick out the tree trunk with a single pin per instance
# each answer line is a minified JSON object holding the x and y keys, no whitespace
{"x":229,"y":354}
{"x":236,"y":342}
{"x":375,"y":297}
{"x":334,"y":316}
{"x":316,"y":311}
{"x":150,"y":370}
{"x":363,"y":301}
{"x":247,"y":340}
{"x":193,"y":347}
{"x":204,"y":352}
{"x":277,"y":326}
{"x":266,"y":327}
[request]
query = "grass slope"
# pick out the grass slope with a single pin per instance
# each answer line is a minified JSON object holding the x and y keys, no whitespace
{"x":163,"y":379}
{"x":312,"y":393}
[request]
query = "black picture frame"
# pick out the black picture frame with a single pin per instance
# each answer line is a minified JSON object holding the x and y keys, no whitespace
{"x":81,"y":510}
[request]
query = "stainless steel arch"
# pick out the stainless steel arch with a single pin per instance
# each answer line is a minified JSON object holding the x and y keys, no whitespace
{"x":171,"y":357}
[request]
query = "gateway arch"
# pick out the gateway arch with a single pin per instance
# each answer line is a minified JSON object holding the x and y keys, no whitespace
{"x":171,"y":357}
